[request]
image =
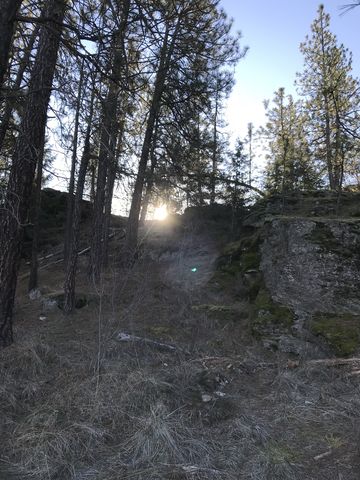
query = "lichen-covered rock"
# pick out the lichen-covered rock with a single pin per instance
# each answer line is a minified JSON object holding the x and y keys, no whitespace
{"x":313,"y":265}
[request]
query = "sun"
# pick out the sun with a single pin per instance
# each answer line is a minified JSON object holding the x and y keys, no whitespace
{"x":160,"y":212}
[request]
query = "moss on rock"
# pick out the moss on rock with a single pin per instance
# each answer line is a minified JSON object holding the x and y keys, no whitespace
{"x":269,"y":315}
{"x":241,"y":256}
{"x":250,"y":261}
{"x":342,"y":332}
{"x":323,"y":236}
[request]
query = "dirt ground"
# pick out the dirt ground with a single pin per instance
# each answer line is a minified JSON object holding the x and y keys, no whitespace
{"x":192,"y":396}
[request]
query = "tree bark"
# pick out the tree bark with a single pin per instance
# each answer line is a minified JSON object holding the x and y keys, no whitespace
{"x":27,"y":150}
{"x":8,"y":11}
{"x":150,"y":178}
{"x":107,"y":147}
{"x":33,"y":279}
{"x":148,"y":193}
{"x":71,"y":264}
{"x":9,"y":104}
{"x":70,"y":199}
{"x":166,"y":53}
{"x":328,"y":147}
{"x":214,"y":151}
{"x":110,"y":184}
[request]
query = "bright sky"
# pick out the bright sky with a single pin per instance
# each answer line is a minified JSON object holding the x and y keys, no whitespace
{"x":273,"y":30}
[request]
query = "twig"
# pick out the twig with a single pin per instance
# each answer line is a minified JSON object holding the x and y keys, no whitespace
{"x":126,"y":337}
{"x":322,"y":455}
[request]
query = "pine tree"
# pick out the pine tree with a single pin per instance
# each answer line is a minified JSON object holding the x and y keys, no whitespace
{"x":239,"y":173}
{"x":331,"y":97}
{"x":191,"y":33}
{"x":8,"y":11}
{"x":290,"y":164}
{"x":29,"y":147}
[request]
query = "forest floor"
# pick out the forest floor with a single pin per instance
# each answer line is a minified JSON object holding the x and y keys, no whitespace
{"x":207,"y":401}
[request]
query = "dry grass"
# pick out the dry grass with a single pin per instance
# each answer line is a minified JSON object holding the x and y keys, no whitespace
{"x":76,"y":405}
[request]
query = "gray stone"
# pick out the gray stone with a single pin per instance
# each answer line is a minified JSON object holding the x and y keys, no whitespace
{"x":313,"y":264}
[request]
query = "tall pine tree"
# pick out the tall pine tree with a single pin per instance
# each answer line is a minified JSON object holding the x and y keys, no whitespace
{"x":331,"y":97}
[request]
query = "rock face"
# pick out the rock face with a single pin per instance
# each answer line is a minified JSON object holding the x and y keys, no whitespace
{"x":313,"y":264}
{"x":320,"y":203}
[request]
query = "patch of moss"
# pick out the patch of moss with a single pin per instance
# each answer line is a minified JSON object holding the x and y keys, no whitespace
{"x":240,"y":256}
{"x":268,"y":314}
{"x":342,"y":332}
{"x":324,"y":237}
{"x":250,"y":261}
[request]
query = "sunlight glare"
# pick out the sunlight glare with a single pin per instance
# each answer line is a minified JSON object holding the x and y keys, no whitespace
{"x":160,"y":213}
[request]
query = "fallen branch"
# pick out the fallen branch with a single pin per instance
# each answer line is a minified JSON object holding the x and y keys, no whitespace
{"x":322,"y":455}
{"x":82,"y":252}
{"x":192,"y":469}
{"x":46,"y":257}
{"x":126,"y":337}
{"x":334,"y":362}
{"x":353,"y":373}
{"x":87,"y":249}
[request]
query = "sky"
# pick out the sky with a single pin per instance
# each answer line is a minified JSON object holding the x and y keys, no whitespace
{"x":273,"y":31}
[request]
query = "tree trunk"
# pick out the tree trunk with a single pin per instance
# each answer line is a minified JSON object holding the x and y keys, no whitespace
{"x":215,"y":151}
{"x":108,"y":133}
{"x":325,"y":87}
{"x":329,"y":160}
{"x":150,"y":177}
{"x":70,"y":199}
{"x":92,"y":169}
{"x":250,"y":133}
{"x":71,"y":264}
{"x":27,"y":150}
{"x":33,"y":279}
{"x":8,"y":11}
{"x":148,"y":193}
{"x":9,"y":104}
{"x":166,"y":53}
{"x":107,"y":146}
{"x":110,"y":184}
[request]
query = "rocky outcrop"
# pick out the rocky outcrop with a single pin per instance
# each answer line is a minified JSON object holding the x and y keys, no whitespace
{"x":313,"y":264}
{"x":321,"y":203}
{"x":297,"y":263}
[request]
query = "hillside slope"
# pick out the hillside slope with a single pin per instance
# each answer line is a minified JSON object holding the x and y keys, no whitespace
{"x":188,"y":393}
